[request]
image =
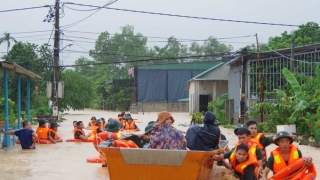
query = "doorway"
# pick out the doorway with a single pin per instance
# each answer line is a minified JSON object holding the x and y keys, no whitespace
{"x":203,"y":103}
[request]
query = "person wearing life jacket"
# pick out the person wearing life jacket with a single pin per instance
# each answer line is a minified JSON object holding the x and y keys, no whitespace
{"x":243,"y":163}
{"x":284,"y":155}
{"x":52,"y":133}
{"x":79,"y":133}
{"x":243,"y":136}
{"x":92,"y":123}
{"x":103,"y":123}
{"x":130,"y":125}
{"x":42,"y":129}
{"x":113,"y":126}
{"x":98,"y":128}
{"x":261,"y":140}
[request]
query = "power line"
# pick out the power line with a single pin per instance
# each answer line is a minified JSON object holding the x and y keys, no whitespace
{"x":141,"y":60}
{"x":29,"y":32}
{"x":77,"y":22}
{"x":22,"y":9}
{"x":190,"y":17}
{"x":178,"y":39}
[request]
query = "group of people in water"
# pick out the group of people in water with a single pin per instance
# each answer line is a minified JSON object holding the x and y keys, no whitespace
{"x":248,"y":158}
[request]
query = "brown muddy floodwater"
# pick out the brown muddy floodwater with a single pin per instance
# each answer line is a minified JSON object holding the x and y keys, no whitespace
{"x":67,"y":160}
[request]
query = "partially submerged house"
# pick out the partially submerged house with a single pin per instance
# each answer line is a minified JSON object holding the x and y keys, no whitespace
{"x":207,"y":86}
{"x":163,"y":87}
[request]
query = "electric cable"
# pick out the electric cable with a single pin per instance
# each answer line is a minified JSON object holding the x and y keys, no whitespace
{"x":190,"y":17}
{"x":77,"y":22}
{"x":22,"y":9}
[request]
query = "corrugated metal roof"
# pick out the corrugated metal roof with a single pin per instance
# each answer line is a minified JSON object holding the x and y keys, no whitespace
{"x":183,"y":66}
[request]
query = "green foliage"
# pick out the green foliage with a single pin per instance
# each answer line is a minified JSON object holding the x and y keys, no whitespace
{"x":44,"y":110}
{"x":294,"y":84}
{"x":297,"y":104}
{"x":267,"y":127}
{"x":77,"y":93}
{"x":11,"y":107}
{"x":197,"y":117}
{"x":219,"y":105}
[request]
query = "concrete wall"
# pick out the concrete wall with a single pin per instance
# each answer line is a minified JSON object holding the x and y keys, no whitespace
{"x":205,"y":87}
{"x":234,"y":85}
{"x":157,"y":107}
{"x":220,"y":73}
{"x":219,"y":88}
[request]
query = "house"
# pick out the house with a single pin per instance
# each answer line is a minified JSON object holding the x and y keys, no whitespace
{"x":272,"y":63}
{"x":207,"y":86}
{"x":160,"y":87}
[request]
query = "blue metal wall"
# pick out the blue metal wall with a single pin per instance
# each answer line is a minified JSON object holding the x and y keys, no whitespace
{"x":164,"y":85}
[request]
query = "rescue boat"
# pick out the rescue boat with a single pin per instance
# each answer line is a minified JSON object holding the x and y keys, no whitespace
{"x":158,"y":164}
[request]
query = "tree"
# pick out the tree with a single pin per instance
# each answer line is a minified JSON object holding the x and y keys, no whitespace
{"x":211,"y":49}
{"x":77,"y":91}
{"x":126,"y":46}
{"x":37,"y":59}
{"x":7,"y":38}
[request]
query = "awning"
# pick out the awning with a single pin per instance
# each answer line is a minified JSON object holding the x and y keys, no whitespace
{"x":184,"y":100}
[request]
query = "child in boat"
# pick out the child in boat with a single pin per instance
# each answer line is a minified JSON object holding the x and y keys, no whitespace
{"x":243,"y":163}
{"x":284,"y":155}
{"x":52,"y":133}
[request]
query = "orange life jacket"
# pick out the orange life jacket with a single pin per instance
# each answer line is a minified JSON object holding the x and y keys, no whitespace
{"x":129,"y":126}
{"x":278,"y":161}
{"x":256,"y":140}
{"x":42,"y":132}
{"x":55,"y":137}
{"x":104,"y":124}
{"x":94,"y":130}
{"x":124,"y":143}
{"x":252,"y":160}
{"x":78,"y":130}
{"x":92,"y":124}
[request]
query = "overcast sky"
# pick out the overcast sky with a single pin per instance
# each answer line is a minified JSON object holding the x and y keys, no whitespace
{"x":274,"y":11}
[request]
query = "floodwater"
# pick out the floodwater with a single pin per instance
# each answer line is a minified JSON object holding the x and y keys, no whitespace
{"x":67,"y":160}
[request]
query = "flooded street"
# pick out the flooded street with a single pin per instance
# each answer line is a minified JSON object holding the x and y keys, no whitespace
{"x":67,"y":160}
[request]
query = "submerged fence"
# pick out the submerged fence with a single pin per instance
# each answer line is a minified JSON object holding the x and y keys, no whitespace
{"x":12,"y":138}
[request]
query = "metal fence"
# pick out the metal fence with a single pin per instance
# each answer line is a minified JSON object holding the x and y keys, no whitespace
{"x":12,"y":139}
{"x":304,"y":64}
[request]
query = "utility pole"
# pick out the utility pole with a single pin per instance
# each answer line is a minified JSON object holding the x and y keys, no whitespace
{"x":55,"y":97}
{"x":292,"y":56}
{"x":243,"y":85}
{"x":260,"y":80}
